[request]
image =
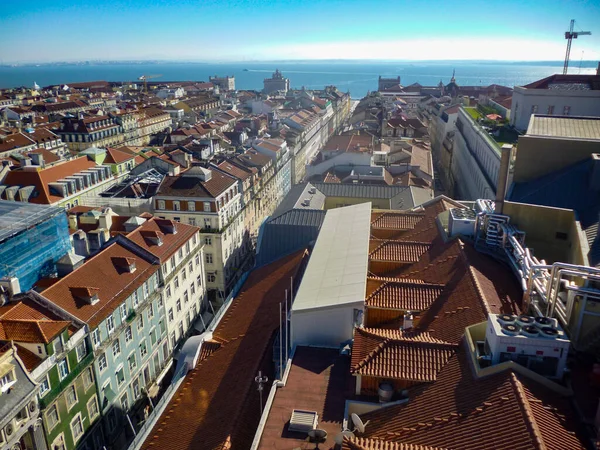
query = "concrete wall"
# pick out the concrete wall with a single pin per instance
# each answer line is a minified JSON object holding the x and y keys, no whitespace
{"x":581,"y":103}
{"x":542,"y":225}
{"x":537,"y":156}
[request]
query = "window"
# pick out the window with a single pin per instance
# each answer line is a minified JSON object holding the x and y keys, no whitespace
{"x":123,"y":309}
{"x":161,"y":326}
{"x":110,"y":324}
{"x":92,"y":407}
{"x":211,"y":278}
{"x":81,"y":351}
{"x":116,"y":347}
{"x":152,"y":338}
{"x":143,"y":348}
{"x":128,"y":334}
{"x":59,"y":442}
{"x":191,"y":206}
{"x":207,"y":206}
{"x":39,"y":349}
{"x":71,"y":396}
{"x":188,"y":321}
{"x":192,"y":221}
{"x":52,"y":417}
{"x":176,"y":282}
{"x":132,"y":362}
{"x":172,"y":262}
{"x":63,"y":369}
{"x":192,"y":289}
{"x":96,"y":337}
{"x":140,"y":323}
{"x":44,"y":386}
{"x":180,"y":329}
{"x":187,"y":248}
{"x":176,"y":206}
{"x":125,"y":402}
{"x":120,"y":375}
{"x":160,"y":204}
{"x":145,"y":289}
{"x":191,"y":266}
{"x":136,"y":388}
{"x":199,"y":280}
{"x":550,"y":110}
{"x":102,"y":364}
{"x":77,"y":427}
{"x":209,"y":258}
{"x":136,"y":299}
{"x":165,"y":351}
{"x":178,"y":305}
{"x":173,"y":340}
{"x":88,"y":378}
{"x":183,"y":274}
{"x":566,"y":110}
{"x":197,"y":260}
{"x":534,"y":109}
{"x":185,"y":297}
{"x":150,"y":311}
{"x":168,"y":290}
{"x":170,"y":314}
{"x":180,"y":254}
{"x":165,"y":268}
{"x":160,"y":301}
{"x":206,"y":223}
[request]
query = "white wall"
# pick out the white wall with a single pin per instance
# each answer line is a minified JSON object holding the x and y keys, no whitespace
{"x":582,"y":103}
{"x":323,"y":327}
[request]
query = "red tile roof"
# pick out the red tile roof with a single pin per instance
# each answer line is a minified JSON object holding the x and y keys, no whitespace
{"x":24,"y":322}
{"x":30,"y":359}
{"x":463,"y":412}
{"x":114,"y":156}
{"x":395,"y":355}
{"x":397,"y":251}
{"x":42,"y":177}
{"x":190,"y":186}
{"x":405,"y":296}
{"x":104,"y":273}
{"x":143,"y":235}
{"x":215,"y":408}
{"x":360,"y":443}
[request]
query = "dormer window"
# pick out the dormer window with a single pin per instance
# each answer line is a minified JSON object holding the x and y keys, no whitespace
{"x":87,"y":294}
{"x":124,"y":263}
{"x":7,"y":379}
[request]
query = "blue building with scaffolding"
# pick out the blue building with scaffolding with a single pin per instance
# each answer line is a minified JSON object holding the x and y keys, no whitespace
{"x":32,"y":238}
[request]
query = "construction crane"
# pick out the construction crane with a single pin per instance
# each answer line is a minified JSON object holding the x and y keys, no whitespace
{"x":569,"y":36}
{"x":145,"y":79}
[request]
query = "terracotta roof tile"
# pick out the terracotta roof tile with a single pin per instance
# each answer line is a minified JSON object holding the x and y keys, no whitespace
{"x":30,"y":359}
{"x":103,"y":272}
{"x":398,"y":251}
{"x":114,"y":156}
{"x":405,"y":357}
{"x":31,"y":331}
{"x":360,"y":443}
{"x":396,"y":221}
{"x":221,"y":411}
{"x":402,"y":295}
{"x":463,"y":412}
{"x":142,"y":236}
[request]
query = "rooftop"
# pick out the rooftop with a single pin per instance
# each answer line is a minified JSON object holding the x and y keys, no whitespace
{"x":587,"y":128}
{"x":337,"y":269}
{"x":221,"y":413}
{"x":18,"y":216}
{"x":319,"y":380}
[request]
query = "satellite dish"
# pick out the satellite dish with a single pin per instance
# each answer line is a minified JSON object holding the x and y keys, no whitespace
{"x":339,"y":438}
{"x":318,"y":434}
{"x":358,"y":424}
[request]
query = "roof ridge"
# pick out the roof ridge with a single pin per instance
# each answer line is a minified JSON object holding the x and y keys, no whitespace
{"x":475,"y":281}
{"x":371,"y":355}
{"x":431,"y":265}
{"x":530,"y":422}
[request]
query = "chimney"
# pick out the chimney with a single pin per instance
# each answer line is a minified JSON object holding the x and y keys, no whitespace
{"x":595,"y":175}
{"x":73,"y":221}
{"x":501,"y":185}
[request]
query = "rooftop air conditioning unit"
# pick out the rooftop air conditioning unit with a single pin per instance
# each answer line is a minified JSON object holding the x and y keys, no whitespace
{"x":306,"y":202}
{"x":461,"y":221}
{"x":538,"y":344}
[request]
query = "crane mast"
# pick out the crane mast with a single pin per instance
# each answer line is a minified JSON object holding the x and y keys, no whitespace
{"x":569,"y":36}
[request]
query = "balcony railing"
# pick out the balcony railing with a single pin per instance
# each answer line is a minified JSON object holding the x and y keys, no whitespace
{"x":57,"y":389}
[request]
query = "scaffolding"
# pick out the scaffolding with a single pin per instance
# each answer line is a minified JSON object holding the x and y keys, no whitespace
{"x":32,"y":238}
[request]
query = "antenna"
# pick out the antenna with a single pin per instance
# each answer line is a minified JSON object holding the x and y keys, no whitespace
{"x":260,"y":380}
{"x":569,"y":36}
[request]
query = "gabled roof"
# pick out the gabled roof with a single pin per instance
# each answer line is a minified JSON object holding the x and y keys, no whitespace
{"x":22,"y":322}
{"x":463,"y":412}
{"x":105,"y":274}
{"x":186,"y":185}
{"x":400,"y":356}
{"x":404,"y":295}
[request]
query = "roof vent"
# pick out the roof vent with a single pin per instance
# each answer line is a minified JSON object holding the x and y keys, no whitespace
{"x":303,"y":421}
{"x":306,"y":202}
{"x":124,"y":263}
{"x":530,"y":331}
{"x":87,"y":294}
{"x":524,"y":320}
{"x":549,"y":332}
{"x":155,"y":237}
{"x":505,"y":319}
{"x":312,"y":190}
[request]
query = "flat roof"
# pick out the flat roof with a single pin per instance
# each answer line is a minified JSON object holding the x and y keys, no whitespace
{"x":565,"y":127}
{"x":319,"y":380}
{"x":336,"y":273}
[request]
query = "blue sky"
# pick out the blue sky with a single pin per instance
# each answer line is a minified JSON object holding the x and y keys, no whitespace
{"x":210,"y":30}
